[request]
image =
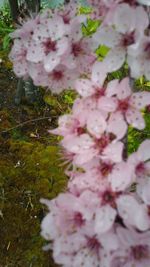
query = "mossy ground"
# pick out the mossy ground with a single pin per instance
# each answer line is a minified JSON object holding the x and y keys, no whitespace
{"x":30,"y":169}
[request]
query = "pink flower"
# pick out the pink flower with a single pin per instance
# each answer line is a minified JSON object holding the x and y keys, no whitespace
{"x":122,"y":176}
{"x":124,"y":35}
{"x":143,"y":188}
{"x":48,"y":43}
{"x":133,"y":212}
{"x":134,"y":249}
{"x":138,"y":58}
{"x":18,"y":56}
{"x":139,"y":160}
{"x":79,"y":54}
{"x":130,"y":104}
{"x":57,"y":80}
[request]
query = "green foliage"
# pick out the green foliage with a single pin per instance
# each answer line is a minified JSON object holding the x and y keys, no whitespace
{"x":6,"y":27}
{"x":102,"y":51}
{"x":90,"y":27}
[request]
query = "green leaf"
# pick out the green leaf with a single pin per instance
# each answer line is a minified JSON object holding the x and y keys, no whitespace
{"x":102,"y":51}
{"x":90,"y":27}
{"x":6,"y":42}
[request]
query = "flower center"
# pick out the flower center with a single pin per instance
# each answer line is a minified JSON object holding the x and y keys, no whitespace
{"x":77,"y":49}
{"x":57,"y":75}
{"x":109,"y":197}
{"x":78,"y":219}
{"x":123,"y":105}
{"x":140,"y":168}
{"x":105,"y":168}
{"x":147,"y":50}
{"x":102,"y":142}
{"x":140,"y":252}
{"x":127,"y":39}
{"x":49,"y":46}
{"x":93,"y":244}
{"x":66,"y":18}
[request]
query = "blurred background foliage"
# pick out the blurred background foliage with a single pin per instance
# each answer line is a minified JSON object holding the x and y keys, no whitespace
{"x":30,"y":158}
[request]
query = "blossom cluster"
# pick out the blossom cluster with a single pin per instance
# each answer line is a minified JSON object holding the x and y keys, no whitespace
{"x":99,"y":221}
{"x":51,"y":50}
{"x":103,"y":218}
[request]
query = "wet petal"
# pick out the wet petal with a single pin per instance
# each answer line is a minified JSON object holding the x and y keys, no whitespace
{"x":84,"y":87}
{"x":117,"y":125}
{"x":124,"y":89}
{"x":104,"y":219}
{"x":96,"y":124}
{"x":135,"y":119}
{"x":140,"y":100}
{"x":144,"y":150}
{"x":113,"y":152}
{"x":114,"y":59}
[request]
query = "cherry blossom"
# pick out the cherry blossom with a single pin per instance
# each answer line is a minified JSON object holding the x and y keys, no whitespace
{"x":56,"y":80}
{"x":134,"y":248}
{"x":125,"y":35}
{"x":130,"y":104}
{"x":18,"y":55}
{"x":103,"y":217}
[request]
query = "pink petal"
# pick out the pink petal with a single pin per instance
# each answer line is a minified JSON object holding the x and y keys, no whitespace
{"x":143,"y":190}
{"x":144,"y":150}
{"x":51,"y":61}
{"x":113,"y":152}
{"x":121,"y":177}
{"x":127,"y":205}
{"x":112,"y":88}
{"x":78,"y":144}
{"x":84,"y":87}
{"x":135,"y":119}
{"x":96,"y":124}
{"x":114,"y":59}
{"x":106,"y":36}
{"x":104,"y":219}
{"x":117,"y":125}
{"x":108,"y":104}
{"x":124,"y":89}
{"x":35,"y":53}
{"x":141,"y":25}
{"x":124,"y":18}
{"x":88,"y":155}
{"x":140,"y":100}
{"x":99,"y":73}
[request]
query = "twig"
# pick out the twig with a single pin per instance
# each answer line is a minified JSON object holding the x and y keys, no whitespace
{"x":24,"y":123}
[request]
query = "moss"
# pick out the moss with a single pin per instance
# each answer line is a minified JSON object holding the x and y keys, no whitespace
{"x":28,"y":172}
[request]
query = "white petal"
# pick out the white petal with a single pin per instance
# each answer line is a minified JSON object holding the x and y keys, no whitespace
{"x":121,"y":177}
{"x":108,"y":104}
{"x":84,"y":87}
{"x":144,"y":150}
{"x":106,"y":36}
{"x":96,"y":124}
{"x":99,"y":73}
{"x":124,"y":19}
{"x":51,"y":61}
{"x":140,"y":100}
{"x":124,"y":89}
{"x":135,"y":118}
{"x":117,"y":125}
{"x":112,"y":88}
{"x":113,"y":152}
{"x":104,"y":219}
{"x":114,"y":59}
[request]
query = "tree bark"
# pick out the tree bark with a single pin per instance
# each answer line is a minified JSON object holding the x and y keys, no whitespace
{"x":14,"y":10}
